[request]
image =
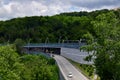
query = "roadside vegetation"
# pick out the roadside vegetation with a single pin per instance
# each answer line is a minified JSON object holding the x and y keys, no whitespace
{"x":26,"y":67}
{"x":106,"y":46}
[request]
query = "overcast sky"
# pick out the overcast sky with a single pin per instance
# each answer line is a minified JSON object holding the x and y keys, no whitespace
{"x":20,"y":8}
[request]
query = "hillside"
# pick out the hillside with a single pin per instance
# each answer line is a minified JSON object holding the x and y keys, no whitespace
{"x":64,"y":26}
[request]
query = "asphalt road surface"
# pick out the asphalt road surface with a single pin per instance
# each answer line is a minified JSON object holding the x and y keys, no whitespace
{"x":66,"y":67}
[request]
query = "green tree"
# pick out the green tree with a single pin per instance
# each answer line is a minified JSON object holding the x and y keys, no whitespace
{"x":106,"y":46}
{"x":10,"y":67}
{"x":38,"y":67}
{"x":19,"y":43}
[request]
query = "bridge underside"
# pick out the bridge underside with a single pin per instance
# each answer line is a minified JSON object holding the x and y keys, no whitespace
{"x":42,"y":49}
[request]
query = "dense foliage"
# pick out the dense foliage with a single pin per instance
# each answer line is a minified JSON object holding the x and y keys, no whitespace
{"x":70,"y":26}
{"x":106,"y":46}
{"x":26,"y":67}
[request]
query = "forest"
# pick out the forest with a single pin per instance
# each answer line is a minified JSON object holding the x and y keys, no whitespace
{"x":65,"y":26}
{"x":100,"y":28}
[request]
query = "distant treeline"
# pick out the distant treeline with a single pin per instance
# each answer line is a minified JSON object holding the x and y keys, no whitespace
{"x":64,"y":26}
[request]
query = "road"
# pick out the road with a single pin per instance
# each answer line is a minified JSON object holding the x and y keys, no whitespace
{"x":76,"y":55}
{"x":66,"y":67}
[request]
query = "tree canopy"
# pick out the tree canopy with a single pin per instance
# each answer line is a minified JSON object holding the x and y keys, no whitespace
{"x":105,"y":44}
{"x":70,"y":26}
{"x":26,"y":67}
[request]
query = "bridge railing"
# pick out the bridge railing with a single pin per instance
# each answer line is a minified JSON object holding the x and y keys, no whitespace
{"x":67,"y":45}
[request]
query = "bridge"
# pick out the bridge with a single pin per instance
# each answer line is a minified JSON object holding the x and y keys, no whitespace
{"x":54,"y":48}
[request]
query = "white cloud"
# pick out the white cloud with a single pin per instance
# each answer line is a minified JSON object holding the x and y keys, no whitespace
{"x":20,"y":8}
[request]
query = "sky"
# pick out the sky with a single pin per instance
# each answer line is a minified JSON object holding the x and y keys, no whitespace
{"x":20,"y":8}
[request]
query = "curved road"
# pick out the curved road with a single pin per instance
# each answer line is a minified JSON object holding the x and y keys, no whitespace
{"x":66,"y":67}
